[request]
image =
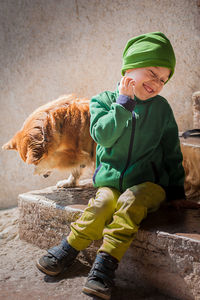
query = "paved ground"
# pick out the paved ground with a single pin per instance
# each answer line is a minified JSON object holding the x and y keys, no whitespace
{"x":20,"y":280}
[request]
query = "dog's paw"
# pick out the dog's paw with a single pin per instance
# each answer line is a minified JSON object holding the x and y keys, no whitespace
{"x":67,"y":183}
{"x":86,"y":183}
{"x":71,"y":182}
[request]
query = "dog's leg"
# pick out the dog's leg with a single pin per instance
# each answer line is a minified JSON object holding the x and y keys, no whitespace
{"x":71,"y":181}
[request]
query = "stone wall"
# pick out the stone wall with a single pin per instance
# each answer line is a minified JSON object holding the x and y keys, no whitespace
{"x":55,"y":47}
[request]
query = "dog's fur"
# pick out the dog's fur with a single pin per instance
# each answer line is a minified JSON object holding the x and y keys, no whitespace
{"x":56,"y":136}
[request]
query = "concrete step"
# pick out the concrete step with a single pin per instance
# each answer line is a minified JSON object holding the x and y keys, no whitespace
{"x":165,"y":253}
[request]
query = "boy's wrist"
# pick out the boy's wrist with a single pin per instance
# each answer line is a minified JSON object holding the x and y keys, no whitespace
{"x":126,"y":101}
{"x":124,"y":94}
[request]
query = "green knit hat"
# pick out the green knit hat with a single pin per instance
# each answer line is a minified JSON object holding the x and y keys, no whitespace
{"x":149,"y":50}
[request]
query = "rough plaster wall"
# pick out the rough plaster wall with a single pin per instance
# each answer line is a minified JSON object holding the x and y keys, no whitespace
{"x":54,"y":47}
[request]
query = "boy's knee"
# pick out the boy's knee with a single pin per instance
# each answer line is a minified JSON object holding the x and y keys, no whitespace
{"x":150,"y":189}
{"x":106,"y":198}
{"x":127,"y":198}
{"x":148,"y":194}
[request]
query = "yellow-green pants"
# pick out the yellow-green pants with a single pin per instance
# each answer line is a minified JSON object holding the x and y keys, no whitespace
{"x":115,"y":217}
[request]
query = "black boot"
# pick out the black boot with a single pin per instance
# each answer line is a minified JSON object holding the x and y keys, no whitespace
{"x":58,"y":259}
{"x":101,"y":277}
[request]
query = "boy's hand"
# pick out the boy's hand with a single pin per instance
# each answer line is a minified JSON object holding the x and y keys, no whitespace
{"x":126,"y":87}
{"x":182,"y":203}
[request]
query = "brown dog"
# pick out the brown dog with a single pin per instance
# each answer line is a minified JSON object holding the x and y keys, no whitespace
{"x":56,"y":136}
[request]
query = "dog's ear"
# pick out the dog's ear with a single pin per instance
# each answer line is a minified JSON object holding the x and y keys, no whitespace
{"x":12,"y":144}
{"x":32,"y":157}
{"x":19,"y":143}
{"x":35,"y":145}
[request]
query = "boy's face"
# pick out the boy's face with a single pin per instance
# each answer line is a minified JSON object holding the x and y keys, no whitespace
{"x":148,"y":81}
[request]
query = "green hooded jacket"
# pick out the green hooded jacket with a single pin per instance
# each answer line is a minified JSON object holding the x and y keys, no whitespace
{"x":137,"y":141}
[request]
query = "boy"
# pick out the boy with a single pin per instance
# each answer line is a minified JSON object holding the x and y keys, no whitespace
{"x":138,"y":163}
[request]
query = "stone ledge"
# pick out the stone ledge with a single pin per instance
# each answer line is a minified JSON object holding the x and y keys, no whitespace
{"x":165,"y":253}
{"x":45,"y":215}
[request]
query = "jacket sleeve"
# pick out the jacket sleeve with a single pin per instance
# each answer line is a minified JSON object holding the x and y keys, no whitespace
{"x":173,"y":160}
{"x":107,"y":123}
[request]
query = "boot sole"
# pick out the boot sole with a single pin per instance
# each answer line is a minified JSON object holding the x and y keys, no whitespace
{"x":45,"y":271}
{"x":90,"y":292}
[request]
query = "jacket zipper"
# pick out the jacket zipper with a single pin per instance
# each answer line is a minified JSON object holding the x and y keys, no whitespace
{"x":95,"y":173}
{"x":129,"y":153}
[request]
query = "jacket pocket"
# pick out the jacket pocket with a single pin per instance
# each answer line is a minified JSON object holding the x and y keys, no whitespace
{"x":95,"y":173}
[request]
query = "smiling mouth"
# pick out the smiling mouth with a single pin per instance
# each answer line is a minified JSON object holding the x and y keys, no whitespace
{"x":148,"y":89}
